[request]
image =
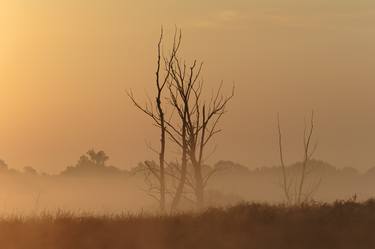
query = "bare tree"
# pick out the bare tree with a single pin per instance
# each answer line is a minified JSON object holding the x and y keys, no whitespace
{"x":286,"y":184}
{"x":191,"y":126}
{"x":199,"y":117}
{"x":181,"y":86}
{"x":294,"y":188}
{"x":308,"y":153}
{"x":158,"y":116}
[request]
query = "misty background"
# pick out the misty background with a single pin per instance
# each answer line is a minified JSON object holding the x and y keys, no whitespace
{"x":65,"y":67}
{"x":100,"y":188}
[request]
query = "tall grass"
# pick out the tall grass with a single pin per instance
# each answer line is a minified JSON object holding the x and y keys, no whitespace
{"x":344,"y":224}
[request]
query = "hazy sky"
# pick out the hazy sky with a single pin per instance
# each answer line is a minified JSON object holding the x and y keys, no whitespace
{"x":65,"y":66}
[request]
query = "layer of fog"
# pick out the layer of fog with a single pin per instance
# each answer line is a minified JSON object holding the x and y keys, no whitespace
{"x":105,"y":189}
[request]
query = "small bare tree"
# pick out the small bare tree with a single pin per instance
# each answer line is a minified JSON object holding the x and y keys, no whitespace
{"x":286,"y":183}
{"x":294,"y":188}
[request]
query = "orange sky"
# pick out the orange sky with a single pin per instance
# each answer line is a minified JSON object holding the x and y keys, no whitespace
{"x":65,"y":66}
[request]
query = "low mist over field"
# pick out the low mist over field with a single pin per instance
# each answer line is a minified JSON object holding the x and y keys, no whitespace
{"x":109,"y":190}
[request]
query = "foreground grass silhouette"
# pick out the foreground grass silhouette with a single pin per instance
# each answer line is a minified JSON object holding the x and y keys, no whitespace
{"x":344,"y":224}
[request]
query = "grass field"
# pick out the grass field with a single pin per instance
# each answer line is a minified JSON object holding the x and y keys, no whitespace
{"x":344,"y":224}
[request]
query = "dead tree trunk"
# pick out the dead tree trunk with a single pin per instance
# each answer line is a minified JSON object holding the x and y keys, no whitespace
{"x":308,"y":132}
{"x":199,"y":118}
{"x":286,"y":183}
{"x":192,"y":129}
{"x":158,"y":116}
{"x":183,"y":172}
{"x":294,"y":189}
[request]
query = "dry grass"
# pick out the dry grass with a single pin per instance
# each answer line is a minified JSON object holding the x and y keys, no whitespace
{"x":341,"y":225}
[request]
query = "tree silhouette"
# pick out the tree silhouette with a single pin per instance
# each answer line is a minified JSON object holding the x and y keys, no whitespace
{"x":294,"y":187}
{"x":3,"y":164}
{"x":98,"y":158}
{"x":191,"y":124}
{"x":157,"y":115}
